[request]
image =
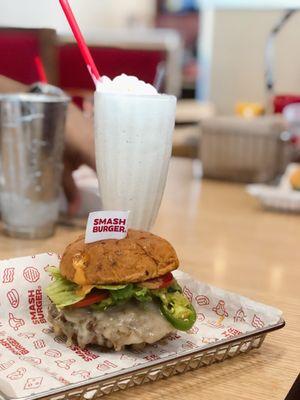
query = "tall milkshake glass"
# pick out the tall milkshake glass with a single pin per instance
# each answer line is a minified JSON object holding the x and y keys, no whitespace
{"x":133,"y":138}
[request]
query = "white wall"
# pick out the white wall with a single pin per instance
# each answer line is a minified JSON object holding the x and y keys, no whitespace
{"x":90,"y":13}
{"x":257,"y":4}
{"x":31,"y":13}
{"x":237,"y":45}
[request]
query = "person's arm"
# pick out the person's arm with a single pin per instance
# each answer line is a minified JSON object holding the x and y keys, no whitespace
{"x":79,"y":149}
{"x":8,"y":85}
{"x":80,"y":136}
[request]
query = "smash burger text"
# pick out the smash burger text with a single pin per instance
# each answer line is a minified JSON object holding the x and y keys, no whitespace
{"x":35,"y":303}
{"x":109,"y":225}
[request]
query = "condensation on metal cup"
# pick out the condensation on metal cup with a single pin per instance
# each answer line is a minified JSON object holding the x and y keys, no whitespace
{"x":31,"y":144}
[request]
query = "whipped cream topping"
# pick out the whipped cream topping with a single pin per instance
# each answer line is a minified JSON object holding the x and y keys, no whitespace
{"x":126,"y":84}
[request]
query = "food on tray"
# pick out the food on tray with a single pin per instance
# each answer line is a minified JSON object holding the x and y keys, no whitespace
{"x":283,"y":197}
{"x":118,"y":292}
{"x":295,"y":178}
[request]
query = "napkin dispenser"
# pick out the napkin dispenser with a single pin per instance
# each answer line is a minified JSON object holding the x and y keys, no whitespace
{"x":244,"y":149}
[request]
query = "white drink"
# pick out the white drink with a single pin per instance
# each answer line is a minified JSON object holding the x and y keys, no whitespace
{"x":133,"y":140}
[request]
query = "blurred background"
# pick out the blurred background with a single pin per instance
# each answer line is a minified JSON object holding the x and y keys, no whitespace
{"x":233,"y":65}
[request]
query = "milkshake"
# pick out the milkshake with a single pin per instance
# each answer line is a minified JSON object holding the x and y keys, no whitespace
{"x":133,"y":138}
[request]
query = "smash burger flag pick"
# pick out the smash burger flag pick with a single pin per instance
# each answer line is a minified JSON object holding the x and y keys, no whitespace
{"x":106,"y":225}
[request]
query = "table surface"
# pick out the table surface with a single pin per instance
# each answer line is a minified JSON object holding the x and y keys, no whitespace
{"x":222,"y":237}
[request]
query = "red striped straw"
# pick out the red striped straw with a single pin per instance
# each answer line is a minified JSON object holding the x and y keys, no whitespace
{"x":85,"y":52}
{"x":40,"y":69}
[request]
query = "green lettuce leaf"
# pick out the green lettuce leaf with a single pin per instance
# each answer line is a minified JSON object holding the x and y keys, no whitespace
{"x":61,"y":291}
{"x":122,"y":294}
{"x":142,"y":294}
{"x":110,"y":287}
{"x":103,"y":305}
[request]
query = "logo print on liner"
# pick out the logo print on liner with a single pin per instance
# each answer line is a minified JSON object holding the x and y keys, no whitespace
{"x":13,"y":298}
{"x":31,"y":274}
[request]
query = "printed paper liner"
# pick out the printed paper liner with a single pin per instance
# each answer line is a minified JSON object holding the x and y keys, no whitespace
{"x":34,"y":360}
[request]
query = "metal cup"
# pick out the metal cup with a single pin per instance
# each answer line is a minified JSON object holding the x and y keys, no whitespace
{"x":31,"y":144}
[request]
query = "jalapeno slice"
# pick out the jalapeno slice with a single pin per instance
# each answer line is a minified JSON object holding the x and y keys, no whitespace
{"x":177,"y":310}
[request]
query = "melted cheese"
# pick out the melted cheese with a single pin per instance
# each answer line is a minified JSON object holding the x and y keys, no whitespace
{"x":127,"y":324}
{"x":84,"y":290}
{"x":79,"y":263}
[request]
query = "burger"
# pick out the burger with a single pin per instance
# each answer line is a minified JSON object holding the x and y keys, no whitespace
{"x":117,"y":293}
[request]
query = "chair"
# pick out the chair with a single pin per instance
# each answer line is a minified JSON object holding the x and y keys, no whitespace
{"x":19,"y":46}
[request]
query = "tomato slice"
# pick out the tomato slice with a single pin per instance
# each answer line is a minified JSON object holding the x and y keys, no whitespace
{"x":166,"y":280}
{"x":90,"y":299}
{"x":159,"y":283}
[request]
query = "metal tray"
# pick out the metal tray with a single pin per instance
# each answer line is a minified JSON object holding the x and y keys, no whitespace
{"x":192,"y":359}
